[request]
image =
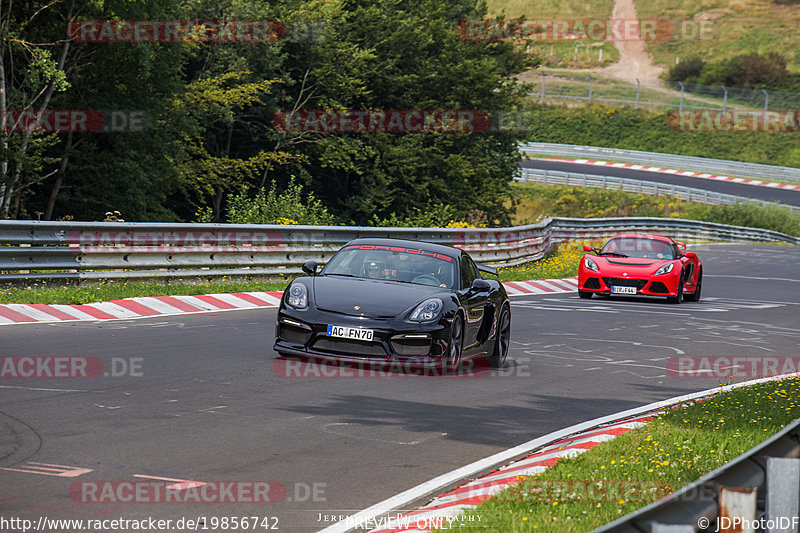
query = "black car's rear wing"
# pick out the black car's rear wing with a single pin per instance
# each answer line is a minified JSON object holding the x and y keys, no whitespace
{"x":486,"y":268}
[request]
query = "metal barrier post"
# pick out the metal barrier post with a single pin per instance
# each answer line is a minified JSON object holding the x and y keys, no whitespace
{"x":783,"y":493}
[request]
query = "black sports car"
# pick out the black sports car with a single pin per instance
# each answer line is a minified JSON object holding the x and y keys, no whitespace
{"x":393,"y":301}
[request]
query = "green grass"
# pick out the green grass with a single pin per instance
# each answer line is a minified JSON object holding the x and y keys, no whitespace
{"x":561,"y":54}
{"x":562,"y":263}
{"x":546,"y":9}
{"x":733,"y":28}
{"x":569,"y":54}
{"x":642,"y":465}
{"x":729,"y":28}
{"x":577,"y":84}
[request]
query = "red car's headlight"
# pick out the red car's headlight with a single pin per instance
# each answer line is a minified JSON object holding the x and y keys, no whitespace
{"x":666,"y":269}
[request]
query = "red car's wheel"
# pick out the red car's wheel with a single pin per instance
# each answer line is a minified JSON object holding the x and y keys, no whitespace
{"x":678,"y":298}
{"x":695,"y":296}
{"x":584,"y":294}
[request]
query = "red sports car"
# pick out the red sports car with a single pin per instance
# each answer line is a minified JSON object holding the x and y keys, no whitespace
{"x":649,"y":265}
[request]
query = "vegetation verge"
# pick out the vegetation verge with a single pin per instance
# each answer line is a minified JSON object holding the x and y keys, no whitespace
{"x":639,"y":467}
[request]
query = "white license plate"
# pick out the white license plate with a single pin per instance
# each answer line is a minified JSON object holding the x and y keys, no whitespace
{"x":617,"y":289}
{"x":345,"y":332}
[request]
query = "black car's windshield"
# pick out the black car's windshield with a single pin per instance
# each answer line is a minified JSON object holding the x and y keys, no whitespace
{"x":394,"y":263}
{"x":639,"y":247}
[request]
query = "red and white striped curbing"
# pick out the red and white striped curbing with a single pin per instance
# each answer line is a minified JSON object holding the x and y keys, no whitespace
{"x":150,"y":306}
{"x":469,"y":495}
{"x":146,"y":306}
{"x":759,"y":183}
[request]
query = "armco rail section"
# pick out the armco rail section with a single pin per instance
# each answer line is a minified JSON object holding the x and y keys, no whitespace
{"x":31,"y":250}
{"x":553,"y":177}
{"x":760,"y":489}
{"x":699,"y":164}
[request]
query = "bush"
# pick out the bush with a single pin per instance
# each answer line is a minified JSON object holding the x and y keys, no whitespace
{"x":434,"y":216}
{"x":748,"y":72}
{"x":687,"y":70}
{"x":273,"y":207}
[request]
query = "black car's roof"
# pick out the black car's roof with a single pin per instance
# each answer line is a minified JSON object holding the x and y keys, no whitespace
{"x":419,"y":245}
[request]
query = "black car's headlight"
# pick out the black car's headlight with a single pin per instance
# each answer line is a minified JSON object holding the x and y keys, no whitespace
{"x":430,"y":309}
{"x":666,"y":269}
{"x":298,"y":296}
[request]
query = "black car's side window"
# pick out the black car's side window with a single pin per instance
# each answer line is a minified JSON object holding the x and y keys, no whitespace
{"x":468,"y":272}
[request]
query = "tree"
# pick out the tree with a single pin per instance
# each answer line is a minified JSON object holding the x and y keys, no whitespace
{"x":389,"y":55}
{"x":30,"y":75}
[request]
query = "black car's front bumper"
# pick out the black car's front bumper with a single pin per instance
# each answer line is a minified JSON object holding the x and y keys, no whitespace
{"x":395,"y":341}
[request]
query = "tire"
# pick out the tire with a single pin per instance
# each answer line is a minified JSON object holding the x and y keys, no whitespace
{"x":679,"y":297}
{"x":695,"y":296}
{"x":584,"y":294}
{"x":452,"y":361}
{"x":503,"y":339}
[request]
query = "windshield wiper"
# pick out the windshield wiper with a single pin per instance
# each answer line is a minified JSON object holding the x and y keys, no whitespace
{"x":615,"y":254}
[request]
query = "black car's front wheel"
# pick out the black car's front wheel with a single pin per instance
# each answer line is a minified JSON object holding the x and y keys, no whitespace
{"x":503,"y":340}
{"x":454,"y":347}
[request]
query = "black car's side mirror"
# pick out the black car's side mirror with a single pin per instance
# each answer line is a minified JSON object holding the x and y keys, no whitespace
{"x":310,"y":268}
{"x":480,"y":285}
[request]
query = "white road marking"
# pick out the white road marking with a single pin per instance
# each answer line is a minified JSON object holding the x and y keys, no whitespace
{"x":46,"y":469}
{"x":42,"y":389}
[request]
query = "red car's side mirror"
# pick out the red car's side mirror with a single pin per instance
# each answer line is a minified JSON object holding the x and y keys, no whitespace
{"x":587,"y":248}
{"x":690,"y":255}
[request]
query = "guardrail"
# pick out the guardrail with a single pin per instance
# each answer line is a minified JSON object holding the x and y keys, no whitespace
{"x":698,"y":164}
{"x":554,"y":177}
{"x":762,"y":484}
{"x":136,"y":250}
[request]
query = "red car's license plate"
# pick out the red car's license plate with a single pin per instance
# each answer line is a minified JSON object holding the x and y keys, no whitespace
{"x":617,"y":289}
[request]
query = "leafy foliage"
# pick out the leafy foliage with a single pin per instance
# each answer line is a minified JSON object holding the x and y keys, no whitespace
{"x":211,"y":105}
{"x":745,"y":71}
{"x":290,"y":206}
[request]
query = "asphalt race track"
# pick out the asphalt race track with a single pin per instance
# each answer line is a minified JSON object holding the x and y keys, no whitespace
{"x":204,"y":403}
{"x":784,"y":196}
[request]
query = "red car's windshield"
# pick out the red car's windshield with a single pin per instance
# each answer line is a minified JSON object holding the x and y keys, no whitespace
{"x":640,"y":247}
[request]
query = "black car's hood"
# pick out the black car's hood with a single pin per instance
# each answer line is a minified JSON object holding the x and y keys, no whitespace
{"x":375,"y":298}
